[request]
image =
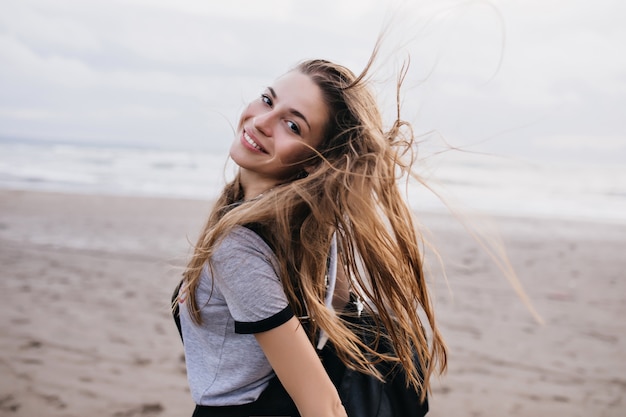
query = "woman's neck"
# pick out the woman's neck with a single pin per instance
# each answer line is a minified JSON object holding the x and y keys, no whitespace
{"x":254,"y":185}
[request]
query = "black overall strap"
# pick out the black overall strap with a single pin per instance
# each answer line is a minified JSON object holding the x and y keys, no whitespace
{"x":176,"y":309}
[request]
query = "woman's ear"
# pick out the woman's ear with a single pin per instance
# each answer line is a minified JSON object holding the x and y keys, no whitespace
{"x":311,"y":168}
{"x":313,"y":165}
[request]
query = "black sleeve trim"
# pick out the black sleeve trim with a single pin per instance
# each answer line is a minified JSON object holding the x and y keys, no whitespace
{"x":264,"y":325}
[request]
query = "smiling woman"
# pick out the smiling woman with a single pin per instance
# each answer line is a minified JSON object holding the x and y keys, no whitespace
{"x":307,"y":277}
{"x":278,"y":133}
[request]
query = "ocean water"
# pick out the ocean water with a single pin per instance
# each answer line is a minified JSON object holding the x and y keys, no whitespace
{"x":487,"y":184}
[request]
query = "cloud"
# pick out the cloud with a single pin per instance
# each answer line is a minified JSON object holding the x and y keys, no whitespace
{"x":581,"y":143}
{"x":29,"y":21}
{"x":22,"y":63}
{"x":159,"y":70}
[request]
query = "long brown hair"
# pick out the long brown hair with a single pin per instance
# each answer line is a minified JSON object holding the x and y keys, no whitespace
{"x":352,"y":190}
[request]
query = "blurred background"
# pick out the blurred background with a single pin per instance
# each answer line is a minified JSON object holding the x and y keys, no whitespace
{"x":140,"y":96}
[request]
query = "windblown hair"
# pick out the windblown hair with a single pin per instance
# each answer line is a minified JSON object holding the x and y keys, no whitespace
{"x":352,"y":190}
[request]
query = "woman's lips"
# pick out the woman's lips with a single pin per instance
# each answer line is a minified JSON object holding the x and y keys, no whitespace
{"x":252,"y":143}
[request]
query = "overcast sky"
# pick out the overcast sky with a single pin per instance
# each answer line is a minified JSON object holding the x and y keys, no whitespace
{"x":536,"y":78}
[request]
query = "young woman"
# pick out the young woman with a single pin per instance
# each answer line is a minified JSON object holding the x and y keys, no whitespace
{"x":316,"y":187}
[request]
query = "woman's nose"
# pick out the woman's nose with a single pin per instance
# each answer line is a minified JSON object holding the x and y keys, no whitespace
{"x":262,"y":123}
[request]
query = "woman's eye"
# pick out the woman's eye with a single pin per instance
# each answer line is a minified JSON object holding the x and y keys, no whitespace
{"x":294,"y":127}
{"x":266,"y":99}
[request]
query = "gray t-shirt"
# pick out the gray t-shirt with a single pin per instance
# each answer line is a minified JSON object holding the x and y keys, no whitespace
{"x":225,"y":364}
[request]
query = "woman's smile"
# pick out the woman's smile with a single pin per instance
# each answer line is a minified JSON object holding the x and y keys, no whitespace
{"x":248,"y":140}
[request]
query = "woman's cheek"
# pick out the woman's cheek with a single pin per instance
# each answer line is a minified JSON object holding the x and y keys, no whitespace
{"x":298,"y":154}
{"x":246,"y":114}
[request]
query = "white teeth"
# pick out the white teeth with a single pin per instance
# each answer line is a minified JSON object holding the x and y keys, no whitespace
{"x":250,"y":141}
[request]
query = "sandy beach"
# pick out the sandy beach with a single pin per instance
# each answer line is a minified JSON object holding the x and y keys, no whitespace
{"x":86,"y":328}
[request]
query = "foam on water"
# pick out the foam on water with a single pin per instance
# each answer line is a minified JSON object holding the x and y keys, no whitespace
{"x":488,"y":184}
{"x":513,"y":187}
{"x":110,"y":170}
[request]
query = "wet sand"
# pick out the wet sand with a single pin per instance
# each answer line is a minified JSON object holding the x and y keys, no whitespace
{"x":86,"y":329}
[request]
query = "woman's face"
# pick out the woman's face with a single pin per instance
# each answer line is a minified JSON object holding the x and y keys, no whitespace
{"x":275,"y":129}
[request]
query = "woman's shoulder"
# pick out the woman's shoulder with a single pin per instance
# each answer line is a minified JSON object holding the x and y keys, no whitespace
{"x":246,"y":238}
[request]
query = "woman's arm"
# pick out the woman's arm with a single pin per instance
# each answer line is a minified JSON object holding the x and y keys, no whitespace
{"x":299,"y":369}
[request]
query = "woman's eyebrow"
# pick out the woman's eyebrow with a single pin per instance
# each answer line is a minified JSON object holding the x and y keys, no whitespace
{"x":291,"y":110}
